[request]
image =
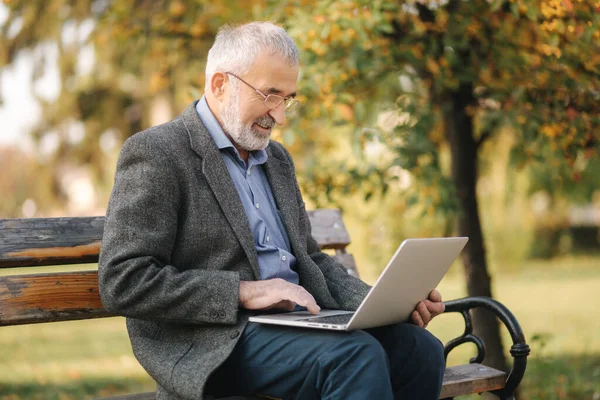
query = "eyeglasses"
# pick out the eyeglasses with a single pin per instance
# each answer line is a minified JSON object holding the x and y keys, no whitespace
{"x":273,"y":100}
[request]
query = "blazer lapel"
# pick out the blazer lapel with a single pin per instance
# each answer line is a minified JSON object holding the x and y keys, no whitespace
{"x":279,"y":174}
{"x":217,"y":175}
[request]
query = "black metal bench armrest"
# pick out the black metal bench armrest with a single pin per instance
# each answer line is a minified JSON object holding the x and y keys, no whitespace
{"x":519,"y":349}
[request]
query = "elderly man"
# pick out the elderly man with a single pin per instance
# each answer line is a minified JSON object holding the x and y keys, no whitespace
{"x":206,"y":226}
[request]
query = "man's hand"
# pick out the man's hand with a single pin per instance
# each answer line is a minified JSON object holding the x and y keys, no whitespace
{"x":427,"y":309}
{"x":275,"y":293}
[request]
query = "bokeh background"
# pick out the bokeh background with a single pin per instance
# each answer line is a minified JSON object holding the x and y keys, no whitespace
{"x":418,"y":119}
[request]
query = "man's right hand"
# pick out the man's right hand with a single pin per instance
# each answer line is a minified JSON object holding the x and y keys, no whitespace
{"x":275,"y":293}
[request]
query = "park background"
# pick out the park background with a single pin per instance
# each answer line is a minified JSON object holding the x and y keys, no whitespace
{"x":418,"y":118}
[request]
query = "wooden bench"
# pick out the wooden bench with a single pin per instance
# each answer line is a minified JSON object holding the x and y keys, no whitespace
{"x":66,"y":296}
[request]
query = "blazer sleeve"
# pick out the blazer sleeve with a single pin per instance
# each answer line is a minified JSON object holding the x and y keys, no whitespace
{"x":135,"y":276}
{"x":349,"y":291}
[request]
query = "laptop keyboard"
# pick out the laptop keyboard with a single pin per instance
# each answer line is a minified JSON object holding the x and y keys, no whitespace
{"x":331,"y":319}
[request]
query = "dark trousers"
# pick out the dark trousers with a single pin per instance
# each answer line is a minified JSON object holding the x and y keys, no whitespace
{"x":399,"y":361}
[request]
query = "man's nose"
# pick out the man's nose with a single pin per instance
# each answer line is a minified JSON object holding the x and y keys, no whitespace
{"x":278,"y":114}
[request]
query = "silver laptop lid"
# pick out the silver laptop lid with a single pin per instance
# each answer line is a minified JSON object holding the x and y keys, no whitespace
{"x":413,"y":272}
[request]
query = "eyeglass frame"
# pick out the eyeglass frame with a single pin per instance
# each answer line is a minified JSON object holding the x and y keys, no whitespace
{"x":290,"y":103}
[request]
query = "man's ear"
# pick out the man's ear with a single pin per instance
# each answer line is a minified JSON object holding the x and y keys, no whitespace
{"x":218,"y":83}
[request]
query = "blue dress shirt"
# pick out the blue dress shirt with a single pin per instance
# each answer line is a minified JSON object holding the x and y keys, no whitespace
{"x":270,"y":236}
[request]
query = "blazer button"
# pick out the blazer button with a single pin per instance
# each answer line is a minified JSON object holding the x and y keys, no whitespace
{"x":222,"y":315}
{"x":234,"y":334}
{"x":214,"y":315}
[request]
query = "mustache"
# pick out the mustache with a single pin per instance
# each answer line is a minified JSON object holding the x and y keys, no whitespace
{"x":265,"y":121}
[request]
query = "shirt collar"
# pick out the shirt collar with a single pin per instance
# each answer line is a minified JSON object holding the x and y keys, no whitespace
{"x":221,"y":140}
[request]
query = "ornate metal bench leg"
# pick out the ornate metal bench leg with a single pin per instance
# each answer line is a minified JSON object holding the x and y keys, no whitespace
{"x":519,"y":350}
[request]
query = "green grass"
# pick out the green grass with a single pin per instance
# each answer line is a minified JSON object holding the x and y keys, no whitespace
{"x":557,"y":306}
{"x":556,"y":303}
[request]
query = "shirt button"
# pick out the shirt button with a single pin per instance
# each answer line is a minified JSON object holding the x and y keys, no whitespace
{"x":268,"y":238}
{"x":283,"y":258}
{"x":248,"y":172}
{"x":257,"y":205}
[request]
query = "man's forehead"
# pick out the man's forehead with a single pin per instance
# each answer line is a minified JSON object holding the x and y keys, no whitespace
{"x":275,"y":84}
{"x":273,"y":74}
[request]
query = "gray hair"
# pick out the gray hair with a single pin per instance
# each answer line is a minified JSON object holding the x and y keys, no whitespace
{"x":236,"y":47}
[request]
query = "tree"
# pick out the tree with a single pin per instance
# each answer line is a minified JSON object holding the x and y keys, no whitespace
{"x":456,"y":72}
{"x":119,"y":63}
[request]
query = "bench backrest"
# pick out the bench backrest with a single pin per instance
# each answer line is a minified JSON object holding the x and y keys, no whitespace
{"x":63,"y":296}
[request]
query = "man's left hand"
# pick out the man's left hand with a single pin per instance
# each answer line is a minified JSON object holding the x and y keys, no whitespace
{"x":426,"y":310}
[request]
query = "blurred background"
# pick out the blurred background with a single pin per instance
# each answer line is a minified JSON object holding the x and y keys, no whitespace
{"x":418,"y":119}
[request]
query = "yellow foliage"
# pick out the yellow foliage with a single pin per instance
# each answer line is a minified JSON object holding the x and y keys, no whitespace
{"x":551,"y":130}
{"x":430,"y":210}
{"x":424,"y":160}
{"x":474,"y":28}
{"x":157,"y":83}
{"x":319,"y":49}
{"x":418,"y":52}
{"x":177,"y":8}
{"x":485,"y":75}
{"x":442,"y":20}
{"x":522,"y":9}
{"x":319,"y":19}
{"x":432,"y":66}
{"x":550,"y":51}
{"x":557,"y":53}
{"x":552,"y":9}
{"x":535,"y":60}
{"x":345,"y":111}
{"x":198,"y":29}
{"x":550,"y":26}
{"x":335,"y":31}
{"x":542,"y":77}
{"x":326,"y":86}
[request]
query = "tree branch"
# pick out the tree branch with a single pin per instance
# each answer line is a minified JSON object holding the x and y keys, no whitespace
{"x":484,"y":137}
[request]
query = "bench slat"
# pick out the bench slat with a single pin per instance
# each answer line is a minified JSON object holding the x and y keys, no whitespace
{"x":63,"y":296}
{"x":50,"y":241}
{"x":77,"y":240}
{"x":36,"y":298}
{"x":328,"y":228}
{"x":458,"y":380}
{"x":471,"y":378}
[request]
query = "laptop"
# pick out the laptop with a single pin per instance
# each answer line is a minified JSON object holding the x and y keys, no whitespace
{"x":415,"y":269}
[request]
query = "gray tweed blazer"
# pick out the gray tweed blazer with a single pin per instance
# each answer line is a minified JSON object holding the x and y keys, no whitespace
{"x":177,"y":244}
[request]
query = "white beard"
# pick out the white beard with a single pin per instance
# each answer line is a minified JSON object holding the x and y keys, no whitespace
{"x":245,"y":136}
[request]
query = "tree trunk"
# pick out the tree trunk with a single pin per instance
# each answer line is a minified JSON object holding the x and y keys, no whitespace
{"x":463,"y":147}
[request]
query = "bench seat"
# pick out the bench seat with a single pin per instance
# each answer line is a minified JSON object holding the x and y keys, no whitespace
{"x":458,"y":380}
